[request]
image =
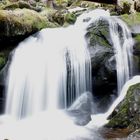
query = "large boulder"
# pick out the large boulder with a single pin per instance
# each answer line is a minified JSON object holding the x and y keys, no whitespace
{"x":103,"y":63}
{"x":20,"y":22}
{"x":127,"y":113}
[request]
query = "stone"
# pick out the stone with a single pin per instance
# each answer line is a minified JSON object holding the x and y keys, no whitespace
{"x":127,"y":113}
{"x":80,"y":111}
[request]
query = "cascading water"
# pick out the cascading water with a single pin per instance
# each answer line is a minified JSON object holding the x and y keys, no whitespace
{"x":121,"y":40}
{"x":51,"y":70}
{"x":48,"y":72}
{"x":123,"y":46}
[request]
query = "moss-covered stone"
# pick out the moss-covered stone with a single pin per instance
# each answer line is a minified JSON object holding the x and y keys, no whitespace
{"x":98,"y":34}
{"x":137,"y":38}
{"x":36,"y":5}
{"x":2,"y":60}
{"x":70,"y":18}
{"x":4,"y":54}
{"x":127,"y":114}
{"x":60,"y":17}
{"x":21,"y":5}
{"x":131,"y":19}
{"x":21,"y":22}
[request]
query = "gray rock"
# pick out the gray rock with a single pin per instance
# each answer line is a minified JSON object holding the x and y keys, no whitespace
{"x":81,"y":110}
{"x":134,"y":136}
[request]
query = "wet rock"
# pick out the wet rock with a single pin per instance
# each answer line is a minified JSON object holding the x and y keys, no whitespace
{"x":127,"y":113}
{"x":81,"y":110}
{"x":103,"y":63}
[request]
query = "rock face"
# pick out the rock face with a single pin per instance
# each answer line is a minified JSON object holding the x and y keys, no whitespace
{"x":103,"y":64}
{"x":127,"y":113}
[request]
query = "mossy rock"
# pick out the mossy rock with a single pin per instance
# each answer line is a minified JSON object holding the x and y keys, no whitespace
{"x":137,"y":44}
{"x":127,"y":113}
{"x":2,"y":60}
{"x":137,"y":37}
{"x":29,"y":4}
{"x":21,"y":5}
{"x":61,"y":17}
{"x":21,"y":22}
{"x":131,"y":19}
{"x":136,"y":51}
{"x":4,"y":54}
{"x":98,"y":34}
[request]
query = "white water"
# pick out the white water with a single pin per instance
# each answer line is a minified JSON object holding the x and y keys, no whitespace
{"x":38,"y":76}
{"x":123,"y":46}
{"x":38,"y":80}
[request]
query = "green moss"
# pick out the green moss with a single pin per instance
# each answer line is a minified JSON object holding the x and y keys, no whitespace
{"x":21,"y":22}
{"x":137,"y":38}
{"x":120,"y":119}
{"x":98,"y":33}
{"x":128,"y":110}
{"x":3,"y":60}
{"x":131,"y":19}
{"x":70,"y":18}
{"x":62,"y":3}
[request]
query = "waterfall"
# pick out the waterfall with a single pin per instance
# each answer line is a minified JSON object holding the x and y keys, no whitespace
{"x":51,"y":69}
{"x":121,"y":39}
{"x":48,"y":71}
{"x":123,"y":47}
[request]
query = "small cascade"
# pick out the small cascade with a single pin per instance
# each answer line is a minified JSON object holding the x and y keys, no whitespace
{"x":123,"y":47}
{"x":121,"y":39}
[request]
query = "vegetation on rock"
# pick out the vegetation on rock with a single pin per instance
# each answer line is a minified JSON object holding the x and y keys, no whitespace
{"x":131,"y":19}
{"x":127,"y":114}
{"x":20,"y":22}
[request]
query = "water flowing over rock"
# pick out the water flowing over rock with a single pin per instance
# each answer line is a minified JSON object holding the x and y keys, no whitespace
{"x":43,"y":80}
{"x":109,"y":39}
